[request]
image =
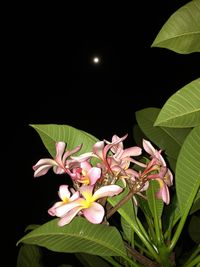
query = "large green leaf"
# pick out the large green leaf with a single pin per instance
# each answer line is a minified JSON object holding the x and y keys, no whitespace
{"x":89,"y":260}
{"x":182,"y":109}
{"x":126,"y":210}
{"x":168,"y":139}
{"x":155,"y":205}
{"x":29,"y":255}
{"x":51,"y":133}
{"x":181,"y":32}
{"x":78,"y":236}
{"x":196,"y":204}
{"x":187,"y":177}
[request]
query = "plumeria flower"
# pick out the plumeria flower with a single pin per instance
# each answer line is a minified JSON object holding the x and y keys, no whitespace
{"x":86,"y":174}
{"x":120,"y":158}
{"x":157,"y":170}
{"x":58,"y":163}
{"x":86,"y":205}
{"x":65,"y":196}
{"x":156,"y":155}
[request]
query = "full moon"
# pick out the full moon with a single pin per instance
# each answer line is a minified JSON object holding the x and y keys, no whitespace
{"x":96,"y":60}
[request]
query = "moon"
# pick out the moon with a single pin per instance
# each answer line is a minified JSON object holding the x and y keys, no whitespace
{"x":96,"y":60}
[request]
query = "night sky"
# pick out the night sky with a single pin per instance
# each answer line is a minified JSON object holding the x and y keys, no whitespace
{"x":57,"y":82}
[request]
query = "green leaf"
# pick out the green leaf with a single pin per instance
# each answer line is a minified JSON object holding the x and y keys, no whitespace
{"x":31,"y":227}
{"x":89,"y":260}
{"x":168,"y":139}
{"x":51,"y":133}
{"x":194,"y":230}
{"x":155,"y":205}
{"x":127,"y":230}
{"x":188,"y":170}
{"x":29,"y":256}
{"x":126,"y":210}
{"x":196,"y":204}
{"x":143,"y":204}
{"x":182,"y":109}
{"x":78,"y":236}
{"x":181,"y":32}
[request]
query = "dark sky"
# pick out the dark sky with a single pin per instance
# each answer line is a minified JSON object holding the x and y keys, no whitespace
{"x":56,"y":82}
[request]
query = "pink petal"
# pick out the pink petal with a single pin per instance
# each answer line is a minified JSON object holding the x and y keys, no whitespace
{"x":82,"y":157}
{"x":60,"y":148}
{"x":42,"y":170}
{"x":71,"y":152}
{"x":64,"y":192}
{"x":98,"y":149}
{"x":67,"y":218}
{"x":107,"y":191}
{"x":132,"y":151}
{"x":163,"y":192}
{"x":62,"y":210}
{"x":75,"y":196}
{"x":94,"y":174}
{"x":94,"y":213}
{"x":52,"y":210}
{"x":86,"y":191}
{"x":59,"y":170}
{"x":148,"y":147}
{"x":45,"y":161}
{"x":85,"y":165}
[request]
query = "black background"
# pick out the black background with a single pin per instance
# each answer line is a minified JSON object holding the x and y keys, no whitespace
{"x":54,"y":81}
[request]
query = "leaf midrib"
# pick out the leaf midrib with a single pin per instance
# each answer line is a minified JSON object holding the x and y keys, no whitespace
{"x":75,"y":236}
{"x":181,"y":115}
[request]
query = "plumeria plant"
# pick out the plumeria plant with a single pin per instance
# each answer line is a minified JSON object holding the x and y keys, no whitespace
{"x":128,"y":206}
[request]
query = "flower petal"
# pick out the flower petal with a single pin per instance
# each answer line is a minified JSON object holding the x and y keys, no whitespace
{"x":163,"y":192}
{"x":62,"y":210}
{"x":94,"y":174}
{"x":131,"y":151}
{"x":71,"y":152}
{"x":148,"y":147}
{"x":60,"y":148}
{"x":67,"y":218}
{"x":64,"y":192}
{"x":86,"y":191}
{"x":52,"y":210}
{"x":107,"y":191}
{"x":59,"y":170}
{"x":41,"y":171}
{"x":98,"y":149}
{"x":94,"y":213}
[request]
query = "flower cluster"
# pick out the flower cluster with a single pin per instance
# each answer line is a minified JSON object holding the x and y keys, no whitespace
{"x":95,"y":175}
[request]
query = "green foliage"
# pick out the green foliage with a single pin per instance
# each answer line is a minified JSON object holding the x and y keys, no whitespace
{"x":29,"y":255}
{"x":148,"y":233}
{"x":169,"y":140}
{"x":182,"y":109}
{"x":51,"y":133}
{"x":181,"y":32}
{"x":78,"y":236}
{"x":188,"y":170}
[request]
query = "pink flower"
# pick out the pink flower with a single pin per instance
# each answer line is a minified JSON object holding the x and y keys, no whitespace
{"x":65,"y":195}
{"x":86,"y":174}
{"x":86,"y":205}
{"x":157,"y":170}
{"x":58,"y":163}
{"x":120,"y":158}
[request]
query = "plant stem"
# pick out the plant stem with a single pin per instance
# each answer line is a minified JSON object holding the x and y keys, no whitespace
{"x":119,"y":204}
{"x":147,"y":243}
{"x":192,"y":256}
{"x":194,"y":262}
{"x":181,"y":222}
{"x":141,"y":258}
{"x":112,"y":261}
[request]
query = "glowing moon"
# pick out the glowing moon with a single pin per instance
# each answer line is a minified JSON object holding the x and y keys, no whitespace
{"x":96,"y":60}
